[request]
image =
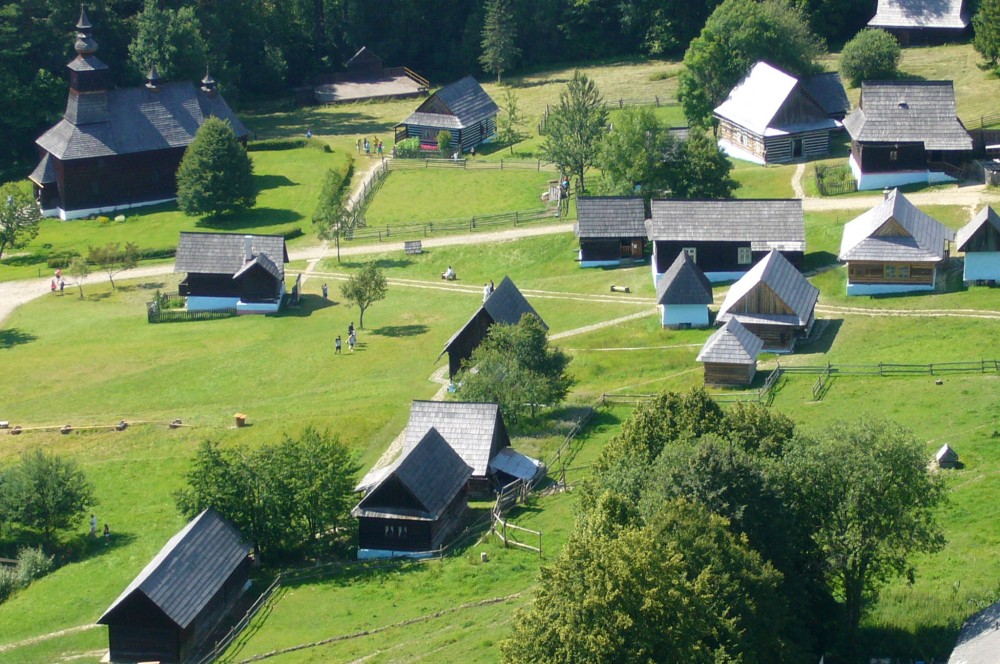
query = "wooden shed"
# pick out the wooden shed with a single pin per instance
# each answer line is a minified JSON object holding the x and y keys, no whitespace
{"x":418,"y":502}
{"x":946,"y":457}
{"x":683,"y":294}
{"x":730,"y":355}
{"x":774,"y":301}
{"x":181,"y":595}
{"x":611,"y":230}
{"x":505,"y":305}
{"x":463,"y":108}
{"x":980,"y":240}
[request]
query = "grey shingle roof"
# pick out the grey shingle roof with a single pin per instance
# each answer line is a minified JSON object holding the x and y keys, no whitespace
{"x":364,"y":56}
{"x":507,"y":305}
{"x":468,"y":427}
{"x":189,"y":569}
{"x":909,"y":234}
{"x":683,"y":283}
{"x":775,"y":274}
{"x":45,"y":172}
{"x":731,"y":344}
{"x":828,"y":91}
{"x":920,"y":14}
{"x":979,"y":640}
{"x":610,"y":216}
{"x":766,"y":224}
{"x":225,"y":253}
{"x":466,"y":100}
{"x":908,"y":112}
{"x":985,"y":216}
{"x":431,"y":471}
{"x":138,"y":120}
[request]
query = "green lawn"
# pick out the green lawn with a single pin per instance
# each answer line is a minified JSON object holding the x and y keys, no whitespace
{"x":758,"y":181}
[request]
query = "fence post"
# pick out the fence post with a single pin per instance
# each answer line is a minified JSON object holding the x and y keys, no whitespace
{"x":515,"y":218}
{"x":621,"y":103}
{"x":539,"y":166}
{"x":501,"y":163}
{"x":657,"y":98}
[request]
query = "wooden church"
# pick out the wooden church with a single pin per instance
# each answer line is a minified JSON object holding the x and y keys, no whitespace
{"x":119,"y":148}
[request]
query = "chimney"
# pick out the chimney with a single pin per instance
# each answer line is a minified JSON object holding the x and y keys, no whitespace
{"x":248,"y":246}
{"x":885,"y":193}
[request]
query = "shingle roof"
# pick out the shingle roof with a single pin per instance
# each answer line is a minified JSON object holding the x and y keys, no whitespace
{"x":920,"y":14}
{"x":683,"y":283}
{"x":731,"y":344}
{"x":466,"y":100}
{"x":431,"y":471}
{"x":610,"y":216}
{"x":908,"y":112}
{"x":894,"y":230}
{"x":506,"y":305}
{"x":45,"y":172}
{"x":777,"y":275}
{"x":364,"y":56}
{"x":138,"y":120}
{"x":828,"y":91}
{"x":225,"y":253}
{"x":985,"y":216}
{"x":189,"y":569}
{"x":468,"y":427}
{"x":766,"y":224}
{"x":979,"y":640}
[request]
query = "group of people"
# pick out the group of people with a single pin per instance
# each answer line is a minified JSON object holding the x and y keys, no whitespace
{"x":368,"y":146}
{"x":352,"y":339}
{"x":487,"y":290}
{"x":93,"y":529}
{"x":57,"y":282}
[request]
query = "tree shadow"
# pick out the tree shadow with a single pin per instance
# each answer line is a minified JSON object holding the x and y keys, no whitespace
{"x":381,"y":263}
{"x":22,"y":260}
{"x":263,"y":182}
{"x":250,"y":219}
{"x":521,"y":84}
{"x":15,"y":337}
{"x":821,"y":340}
{"x":817,"y":259}
{"x":929,"y":643}
{"x":400,"y":330}
{"x":147,"y":286}
{"x":84,"y":547}
{"x":296,"y":122}
{"x":308,"y":303}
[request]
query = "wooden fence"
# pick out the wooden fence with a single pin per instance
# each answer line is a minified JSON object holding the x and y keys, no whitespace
{"x":834,"y":180}
{"x":155,"y":314}
{"x":464,"y":163}
{"x":487,"y":222}
{"x":220,"y":646}
{"x":619,"y":103}
{"x":764,"y":394}
{"x":982,"y":121}
{"x":896,"y":369}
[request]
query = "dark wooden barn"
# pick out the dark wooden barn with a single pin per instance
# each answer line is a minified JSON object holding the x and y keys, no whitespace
{"x":906,"y":132}
{"x":684,"y":294}
{"x":730,"y":355}
{"x":119,"y":148}
{"x":505,"y":305}
{"x":611,"y":230}
{"x":364,"y":64}
{"x":774,"y":301}
{"x":419,"y":500}
{"x":463,"y":108}
{"x":181,"y":595}
{"x":773,"y":117}
{"x":922,"y":21}
{"x":725,"y":238}
{"x":230,"y":270}
{"x":980,"y":241}
{"x":893,"y":248}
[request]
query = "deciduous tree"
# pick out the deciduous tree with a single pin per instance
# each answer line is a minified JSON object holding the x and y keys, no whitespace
{"x":633,"y":156}
{"x":47,"y":493}
{"x":112,"y":258}
{"x":79,"y":269}
{"x":509,"y":122}
{"x":499,"y":44}
{"x":216,"y":174}
{"x":170,"y":40}
{"x":986,"y":24}
{"x":364,"y":288}
{"x":575,"y":128}
{"x":872,"y":55}
{"x":701,"y":170}
{"x":19,"y":217}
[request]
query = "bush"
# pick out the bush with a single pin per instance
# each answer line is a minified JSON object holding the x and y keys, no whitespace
{"x":61,"y":259}
{"x":8,"y":581}
{"x":407,"y":148}
{"x":293,"y":233}
{"x":32,"y":564}
{"x":149,"y":254}
{"x":872,"y":55}
{"x":444,"y":141}
{"x":274,"y":144}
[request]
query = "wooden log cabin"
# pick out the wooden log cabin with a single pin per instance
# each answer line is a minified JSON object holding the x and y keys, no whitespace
{"x":177,"y":600}
{"x":893,"y":248}
{"x":463,"y":108}
{"x":419,"y":500}
{"x":774,"y":301}
{"x":922,"y":22}
{"x":980,"y":241}
{"x":683,"y":295}
{"x":119,"y":148}
{"x":773,"y":117}
{"x":611,"y":230}
{"x":906,"y":132}
{"x":730,"y":355}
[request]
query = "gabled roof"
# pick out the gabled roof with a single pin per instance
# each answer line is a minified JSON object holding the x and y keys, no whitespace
{"x":683,"y":283}
{"x":189,"y":569}
{"x":759,"y":96}
{"x":505,"y":305}
{"x":610,"y":216}
{"x":731,"y":344}
{"x":765,"y":224}
{"x":894,"y":230}
{"x":139,"y":120}
{"x":465,"y":100}
{"x":431,"y":472}
{"x":986,"y":216}
{"x":920,"y":14}
{"x":225,"y":253}
{"x":515,"y":464}
{"x":908,"y":112}
{"x":45,"y":172}
{"x":468,"y":427}
{"x":979,"y":640}
{"x":775,"y":274}
{"x":946,"y":453}
{"x":828,"y":91}
{"x":364,"y":57}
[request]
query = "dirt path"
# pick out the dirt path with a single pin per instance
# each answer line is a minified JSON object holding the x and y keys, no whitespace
{"x":970,"y":196}
{"x":797,"y":180}
{"x":45,"y":637}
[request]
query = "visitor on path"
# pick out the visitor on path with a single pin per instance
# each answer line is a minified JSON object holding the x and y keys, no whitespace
{"x":337,"y":345}
{"x":491,"y":287}
{"x":107,"y":534}
{"x":350,"y":329}
{"x":59,"y":273}
{"x":93,"y":526}
{"x":326,"y":292}
{"x":309,"y":133}
{"x":352,"y":340}
{"x":359,"y":146}
{"x":62,"y":286}
{"x":486,"y":292}
{"x":368,"y":149}
{"x":53,"y":285}
{"x":448,"y":274}
{"x":378,"y":148}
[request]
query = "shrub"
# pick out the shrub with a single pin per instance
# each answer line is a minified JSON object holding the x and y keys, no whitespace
{"x":444,"y":141}
{"x":8,"y":582}
{"x":293,"y":233}
{"x":273,"y":144}
{"x":148,"y":254}
{"x":407,"y":148}
{"x":32,"y":564}
{"x":61,"y":259}
{"x":871,"y":56}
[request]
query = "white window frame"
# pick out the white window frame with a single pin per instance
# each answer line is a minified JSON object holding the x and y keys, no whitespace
{"x":744,"y":255}
{"x":692,"y":252}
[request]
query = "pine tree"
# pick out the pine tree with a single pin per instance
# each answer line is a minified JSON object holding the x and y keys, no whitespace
{"x":576,"y":127}
{"x":216,"y":174}
{"x":499,"y":37}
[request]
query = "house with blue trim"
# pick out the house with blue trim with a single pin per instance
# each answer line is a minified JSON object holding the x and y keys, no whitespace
{"x":611,"y":229}
{"x":683,"y":295}
{"x":980,"y":241}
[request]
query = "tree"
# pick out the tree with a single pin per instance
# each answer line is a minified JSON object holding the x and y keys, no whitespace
{"x":79,"y":269}
{"x":633,"y":156}
{"x":516,"y":368}
{"x":873,"y":55}
{"x":332,"y":213}
{"x":868,"y":491}
{"x":365,"y":288}
{"x":511,"y":121}
{"x":986,"y":24}
{"x":216,"y":174}
{"x":737,"y":35}
{"x":444,"y":142}
{"x":47,"y":493}
{"x":575,"y":128}
{"x":171,"y":41}
{"x":500,"y":50}
{"x":702,"y":169}
{"x":19,"y":217}
{"x":112,"y":258}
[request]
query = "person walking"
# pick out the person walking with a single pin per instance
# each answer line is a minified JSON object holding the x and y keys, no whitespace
{"x":53,"y":285}
{"x":359,"y":146}
{"x":93,"y":525}
{"x":486,"y":292}
{"x":62,"y":286}
{"x":352,"y":340}
{"x":107,"y":534}
{"x":326,"y":292}
{"x":337,"y":345}
{"x":368,"y":148}
{"x":350,"y":329}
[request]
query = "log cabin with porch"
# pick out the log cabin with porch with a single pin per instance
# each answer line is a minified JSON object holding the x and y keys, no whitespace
{"x":119,"y":148}
{"x":730,"y":355}
{"x":922,"y":22}
{"x":725,"y":238}
{"x":893,"y":248}
{"x":611,"y":229}
{"x":683,"y":295}
{"x":463,"y":108}
{"x":906,"y":132}
{"x":419,"y":500}
{"x":773,"y":117}
{"x":980,"y":241}
{"x":774,"y":301}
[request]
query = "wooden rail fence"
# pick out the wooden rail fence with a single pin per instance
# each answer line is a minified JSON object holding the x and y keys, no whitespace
{"x":155,"y":314}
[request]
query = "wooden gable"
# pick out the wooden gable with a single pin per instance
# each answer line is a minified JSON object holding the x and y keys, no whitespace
{"x":891,"y":228}
{"x":761,"y":299}
{"x":987,"y":238}
{"x":434,"y":105}
{"x":392,"y":493}
{"x":798,"y":108}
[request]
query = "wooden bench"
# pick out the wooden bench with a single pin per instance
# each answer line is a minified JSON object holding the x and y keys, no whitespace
{"x":413,"y":247}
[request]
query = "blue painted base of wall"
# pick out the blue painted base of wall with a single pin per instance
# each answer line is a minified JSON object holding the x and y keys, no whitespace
{"x":878,"y":181}
{"x":883,"y":289}
{"x":716,"y":277}
{"x":584,"y":263}
{"x":257,"y":307}
{"x":374,"y":554}
{"x":676,"y":315}
{"x":982,"y":265}
{"x":200,"y":303}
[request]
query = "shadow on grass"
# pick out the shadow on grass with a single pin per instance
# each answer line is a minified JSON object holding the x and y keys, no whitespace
{"x":400,"y":330}
{"x":14,"y":337}
{"x":817,"y":259}
{"x":21,"y":260}
{"x":250,"y":219}
{"x":932,"y":642}
{"x":823,"y":339}
{"x":382,"y":263}
{"x":83,"y":546}
{"x":147,"y":286}
{"x":307,"y":305}
{"x":262,"y":182}
{"x":289,"y":123}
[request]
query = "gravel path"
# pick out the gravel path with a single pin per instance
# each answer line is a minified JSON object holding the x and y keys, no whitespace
{"x":970,"y":196}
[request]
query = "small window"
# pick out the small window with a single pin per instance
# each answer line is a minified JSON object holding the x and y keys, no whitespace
{"x":889,"y":271}
{"x":903,"y":271}
{"x":692,"y":252}
{"x":744,"y":256}
{"x":893,"y":155}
